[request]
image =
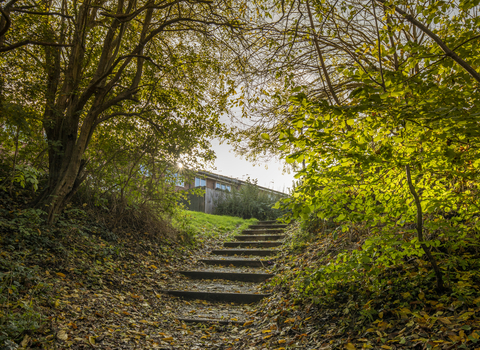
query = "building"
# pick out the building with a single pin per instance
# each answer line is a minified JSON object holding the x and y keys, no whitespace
{"x":215,"y":186}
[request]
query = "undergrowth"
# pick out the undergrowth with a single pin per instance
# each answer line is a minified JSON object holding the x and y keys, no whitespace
{"x":88,"y":244}
{"x":365,"y":288}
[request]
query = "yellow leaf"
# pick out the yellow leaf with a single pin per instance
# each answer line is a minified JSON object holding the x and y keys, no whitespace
{"x":168,"y":338}
{"x":248,"y":323}
{"x":62,"y":335}
{"x":203,"y":337}
{"x":266,"y":331}
{"x":444,"y":320}
{"x":153,"y":267}
{"x":25,"y":341}
{"x":267,"y":336}
{"x":454,"y":337}
{"x":59,"y":274}
{"x":281,"y":341}
{"x":57,"y":303}
{"x":91,"y":340}
{"x":350,"y":346}
{"x":386,"y":347}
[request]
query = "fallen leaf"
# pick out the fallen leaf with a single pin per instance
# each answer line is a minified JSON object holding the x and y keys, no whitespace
{"x":91,"y":340}
{"x":350,"y":346}
{"x":25,"y":341}
{"x":62,"y":335}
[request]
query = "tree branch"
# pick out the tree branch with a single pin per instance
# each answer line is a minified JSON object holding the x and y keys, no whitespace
{"x":16,"y":9}
{"x":320,"y":57}
{"x":448,"y":52}
{"x":31,"y":42}
{"x":8,"y":23}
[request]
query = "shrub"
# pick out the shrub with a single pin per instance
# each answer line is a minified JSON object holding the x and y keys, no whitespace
{"x":249,"y":202}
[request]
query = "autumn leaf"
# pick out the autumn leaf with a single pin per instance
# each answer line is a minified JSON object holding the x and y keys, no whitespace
{"x":91,"y":340}
{"x":350,"y":346}
{"x":62,"y":335}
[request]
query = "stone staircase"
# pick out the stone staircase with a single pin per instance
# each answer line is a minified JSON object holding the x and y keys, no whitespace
{"x":227,"y":280}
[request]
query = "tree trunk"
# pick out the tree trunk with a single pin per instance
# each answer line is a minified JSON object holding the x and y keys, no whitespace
{"x":433,"y":262}
{"x":65,"y":175}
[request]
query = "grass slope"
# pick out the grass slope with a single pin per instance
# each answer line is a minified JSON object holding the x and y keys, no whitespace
{"x":197,"y":223}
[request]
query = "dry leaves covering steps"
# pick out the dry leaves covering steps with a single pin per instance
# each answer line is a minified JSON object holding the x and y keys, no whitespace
{"x":107,"y":295}
{"x":231,"y":280}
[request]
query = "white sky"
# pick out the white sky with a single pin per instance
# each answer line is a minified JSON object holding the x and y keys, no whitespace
{"x":268,"y":174}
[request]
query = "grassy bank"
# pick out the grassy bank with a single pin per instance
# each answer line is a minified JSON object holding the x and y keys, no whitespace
{"x":201,"y":224}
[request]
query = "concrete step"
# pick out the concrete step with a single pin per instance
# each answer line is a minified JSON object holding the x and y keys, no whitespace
{"x":260,"y":244}
{"x":237,"y":262}
{"x":231,"y":276}
{"x":256,"y":252}
{"x":267,"y":226}
{"x":210,"y":320}
{"x":239,"y":298}
{"x":259,"y":238}
{"x":263,"y":232}
{"x":267,"y":222}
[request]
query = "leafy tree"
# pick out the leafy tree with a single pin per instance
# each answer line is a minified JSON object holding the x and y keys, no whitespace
{"x":149,"y":66}
{"x":400,"y":144}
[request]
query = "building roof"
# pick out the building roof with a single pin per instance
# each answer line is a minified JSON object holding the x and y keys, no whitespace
{"x":236,"y":181}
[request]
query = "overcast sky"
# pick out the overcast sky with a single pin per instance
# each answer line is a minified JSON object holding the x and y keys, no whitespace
{"x":228,"y":164}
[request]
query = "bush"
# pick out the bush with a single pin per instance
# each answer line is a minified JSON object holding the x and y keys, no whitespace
{"x":249,"y":202}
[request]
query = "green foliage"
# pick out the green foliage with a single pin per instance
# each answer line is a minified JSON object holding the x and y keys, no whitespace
{"x":19,"y":312}
{"x":354,"y":276}
{"x":249,"y":202}
{"x":421,"y":113}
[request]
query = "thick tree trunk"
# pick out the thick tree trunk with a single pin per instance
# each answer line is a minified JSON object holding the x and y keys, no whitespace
{"x":65,"y":171}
